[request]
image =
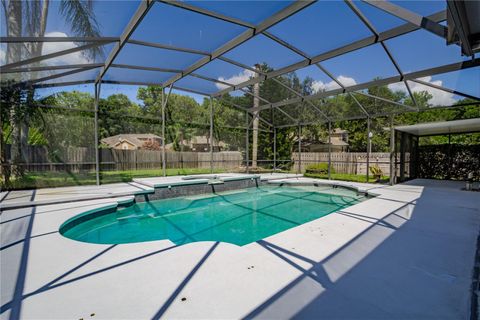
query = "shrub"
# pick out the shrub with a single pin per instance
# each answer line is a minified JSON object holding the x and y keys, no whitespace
{"x":376,"y":171}
{"x":319,"y":168}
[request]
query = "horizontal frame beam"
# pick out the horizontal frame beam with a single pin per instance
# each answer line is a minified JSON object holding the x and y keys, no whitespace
{"x":132,"y":83}
{"x":384,"y":100}
{"x":50,"y":56}
{"x":63,"y":84}
{"x":52,"y":68}
{"x":409,"y":16}
{"x":57,"y":39}
{"x":167,"y":47}
{"x":29,"y":83}
{"x":428,"y":84}
{"x":140,"y":83}
{"x":132,"y":67}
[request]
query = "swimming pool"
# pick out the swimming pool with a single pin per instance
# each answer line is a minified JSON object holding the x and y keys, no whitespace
{"x":239,"y":217}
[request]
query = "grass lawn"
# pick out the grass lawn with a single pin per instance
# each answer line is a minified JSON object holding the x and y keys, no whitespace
{"x":345,"y":177}
{"x":63,"y":179}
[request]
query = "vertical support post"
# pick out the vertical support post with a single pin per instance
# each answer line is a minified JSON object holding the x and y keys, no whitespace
{"x":97,"y":155}
{"x":211,"y":135}
{"x":329,"y":150}
{"x":369,"y":148}
{"x":274,"y":149}
{"x":299,"y":149}
{"x":449,"y":155}
{"x":164,"y":161}
{"x":403,"y":142}
{"x":247,"y":147}
{"x":392,"y":152}
{"x":417,"y":140}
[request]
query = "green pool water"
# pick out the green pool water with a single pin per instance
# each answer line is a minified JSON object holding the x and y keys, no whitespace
{"x":238,"y":217}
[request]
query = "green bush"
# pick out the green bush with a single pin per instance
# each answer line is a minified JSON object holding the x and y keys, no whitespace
{"x":376,"y":171}
{"x":319,"y":168}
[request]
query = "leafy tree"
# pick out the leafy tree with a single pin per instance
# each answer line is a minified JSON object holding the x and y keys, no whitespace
{"x":184,"y":117}
{"x":13,"y":108}
{"x":117,"y":114}
{"x":70,"y":124}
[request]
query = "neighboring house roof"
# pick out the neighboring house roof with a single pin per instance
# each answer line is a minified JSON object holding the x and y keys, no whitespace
{"x":338,"y":142}
{"x":334,"y":141}
{"x":339,"y":131}
{"x":136,"y":140}
{"x":198,"y":140}
{"x":203,"y":140}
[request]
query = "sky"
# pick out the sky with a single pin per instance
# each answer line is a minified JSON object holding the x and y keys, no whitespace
{"x":321,"y":27}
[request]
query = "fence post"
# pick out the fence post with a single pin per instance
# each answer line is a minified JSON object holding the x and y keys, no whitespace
{"x":164,"y":163}
{"x":329,"y":150}
{"x":299,"y":149}
{"x":97,"y":156}
{"x":211,"y":135}
{"x":274,"y":149}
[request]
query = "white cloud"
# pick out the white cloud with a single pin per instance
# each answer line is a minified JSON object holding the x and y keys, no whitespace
{"x":326,"y":86}
{"x":439,"y":97}
{"x":243,"y":76}
{"x":51,"y":47}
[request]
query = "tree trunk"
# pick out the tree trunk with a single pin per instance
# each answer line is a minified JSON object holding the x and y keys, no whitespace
{"x":4,"y":167}
{"x":35,"y":51}
{"x":35,"y":48}
{"x":14,"y":54}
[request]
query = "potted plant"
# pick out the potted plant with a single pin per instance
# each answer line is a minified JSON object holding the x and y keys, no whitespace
{"x":377,"y":172}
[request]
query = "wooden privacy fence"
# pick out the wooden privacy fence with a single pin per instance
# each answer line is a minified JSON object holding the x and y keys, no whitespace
{"x":77,"y":159}
{"x":43,"y":158}
{"x":119,"y":160}
{"x":345,"y":162}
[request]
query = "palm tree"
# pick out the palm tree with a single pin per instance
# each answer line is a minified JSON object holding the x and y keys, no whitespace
{"x":29,"y":18}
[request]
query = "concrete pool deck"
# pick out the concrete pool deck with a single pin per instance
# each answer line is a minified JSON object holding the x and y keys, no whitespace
{"x":407,"y":253}
{"x":139,"y":186}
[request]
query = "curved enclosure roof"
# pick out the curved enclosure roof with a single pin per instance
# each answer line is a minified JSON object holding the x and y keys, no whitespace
{"x":322,"y":53}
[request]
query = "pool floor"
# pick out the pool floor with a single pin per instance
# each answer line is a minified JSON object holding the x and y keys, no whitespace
{"x":239,"y":217}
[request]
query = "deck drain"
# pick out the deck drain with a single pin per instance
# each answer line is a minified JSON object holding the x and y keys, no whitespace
{"x":184,"y":299}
